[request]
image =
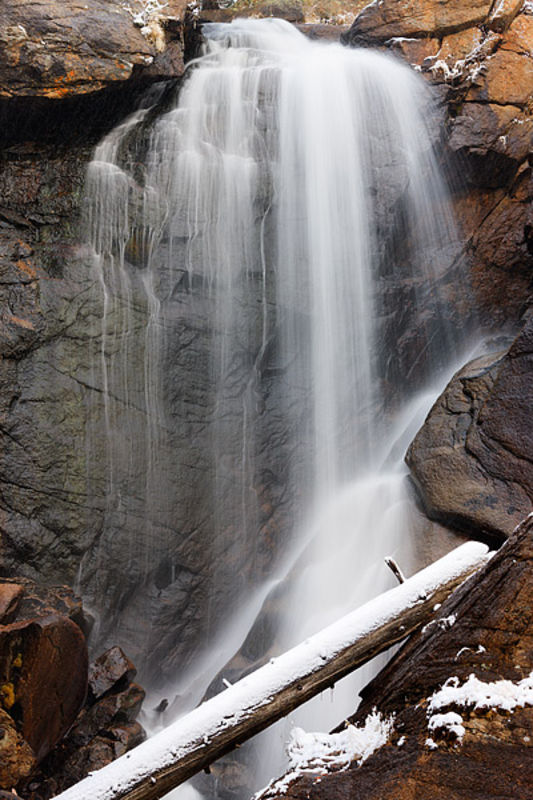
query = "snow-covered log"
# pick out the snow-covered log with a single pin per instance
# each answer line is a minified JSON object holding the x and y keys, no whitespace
{"x":271,"y":692}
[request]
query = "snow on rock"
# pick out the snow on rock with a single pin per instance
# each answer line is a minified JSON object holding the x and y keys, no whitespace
{"x":443,"y":623}
{"x":451,"y":722}
{"x":311,"y":750}
{"x":313,"y":753}
{"x":477,"y":694}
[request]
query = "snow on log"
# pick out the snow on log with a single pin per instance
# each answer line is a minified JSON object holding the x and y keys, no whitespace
{"x":193,"y":742}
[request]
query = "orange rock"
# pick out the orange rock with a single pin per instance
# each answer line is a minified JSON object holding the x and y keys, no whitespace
{"x":508,"y":80}
{"x":458,"y":46}
{"x":503,"y":12}
{"x":415,"y":51}
{"x":76,"y":48}
{"x":519,"y":37}
{"x":391,"y":18}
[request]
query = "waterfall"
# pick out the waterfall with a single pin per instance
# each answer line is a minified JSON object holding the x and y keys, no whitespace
{"x":273,"y":254}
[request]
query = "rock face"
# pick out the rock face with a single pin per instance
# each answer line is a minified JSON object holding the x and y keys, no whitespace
{"x":478,"y":56}
{"x":61,"y":49}
{"x":69,"y":71}
{"x":472,"y":459}
{"x":416,"y":18}
{"x":484,"y":631}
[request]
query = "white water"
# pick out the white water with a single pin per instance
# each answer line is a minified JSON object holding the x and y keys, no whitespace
{"x":267,"y":190}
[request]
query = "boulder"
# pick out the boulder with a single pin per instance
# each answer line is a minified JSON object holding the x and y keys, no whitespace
{"x":472,"y":461}
{"x":104,"y":730}
{"x":481,"y":635}
{"x":43,"y":678}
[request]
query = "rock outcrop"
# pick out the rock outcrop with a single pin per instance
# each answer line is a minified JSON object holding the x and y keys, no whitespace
{"x":472,"y":461}
{"x":479,"y":58}
{"x":481,"y":635}
{"x":62,"y":49}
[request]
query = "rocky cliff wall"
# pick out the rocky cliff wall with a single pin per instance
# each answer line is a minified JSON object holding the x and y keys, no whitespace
{"x":68,"y":73}
{"x":479,"y":58}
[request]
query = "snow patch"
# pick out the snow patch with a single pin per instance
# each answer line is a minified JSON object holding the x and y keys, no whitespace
{"x":311,"y":753}
{"x":451,"y":722}
{"x":444,"y":624}
{"x":477,"y":694}
{"x":528,"y":9}
{"x":480,"y":649}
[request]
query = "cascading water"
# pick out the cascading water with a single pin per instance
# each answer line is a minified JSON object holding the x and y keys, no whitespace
{"x":271,"y":254}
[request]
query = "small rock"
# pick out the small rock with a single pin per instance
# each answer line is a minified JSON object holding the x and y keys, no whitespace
{"x":108,"y":670}
{"x":107,"y":712}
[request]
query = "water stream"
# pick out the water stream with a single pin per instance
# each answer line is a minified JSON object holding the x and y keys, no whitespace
{"x":274,"y":255}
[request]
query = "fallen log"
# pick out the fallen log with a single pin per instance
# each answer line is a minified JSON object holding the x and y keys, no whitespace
{"x":218,"y":725}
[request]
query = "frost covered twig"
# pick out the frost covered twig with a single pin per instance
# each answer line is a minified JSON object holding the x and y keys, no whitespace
{"x":148,"y":15}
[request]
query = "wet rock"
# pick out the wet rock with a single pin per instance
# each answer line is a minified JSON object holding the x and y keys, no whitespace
{"x":485,"y":630}
{"x":17,"y":759}
{"x":472,"y":461}
{"x":111,"y":668}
